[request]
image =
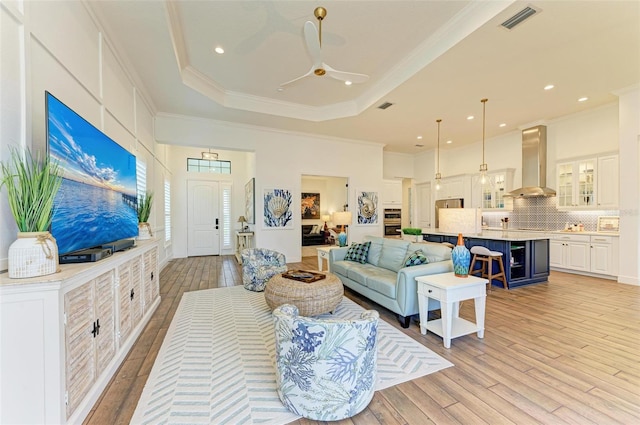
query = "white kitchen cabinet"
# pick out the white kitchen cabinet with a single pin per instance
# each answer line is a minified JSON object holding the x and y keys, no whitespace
{"x":608,"y":182}
{"x":591,"y":254}
{"x":570,"y":252}
{"x":64,"y":335}
{"x":604,"y":255}
{"x":490,"y":195}
{"x":576,"y":182}
{"x":392,"y":192}
{"x":454,"y":187}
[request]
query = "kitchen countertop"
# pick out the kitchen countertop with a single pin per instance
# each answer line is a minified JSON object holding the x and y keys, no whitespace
{"x":554,"y":232}
{"x":497,"y":235}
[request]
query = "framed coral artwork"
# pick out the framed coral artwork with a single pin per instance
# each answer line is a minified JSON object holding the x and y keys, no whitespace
{"x":367,"y":212}
{"x":277,"y":209}
{"x":310,"y":206}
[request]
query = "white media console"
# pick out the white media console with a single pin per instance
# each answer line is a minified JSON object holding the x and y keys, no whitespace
{"x":63,"y":336}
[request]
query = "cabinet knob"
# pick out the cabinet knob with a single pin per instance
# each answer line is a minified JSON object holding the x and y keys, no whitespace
{"x":430,"y":291}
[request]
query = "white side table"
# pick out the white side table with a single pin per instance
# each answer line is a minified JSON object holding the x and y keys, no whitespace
{"x":323,"y":253}
{"x":450,"y":290}
{"x":243,"y":240}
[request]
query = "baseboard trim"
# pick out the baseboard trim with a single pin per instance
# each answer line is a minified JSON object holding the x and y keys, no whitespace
{"x":629,"y":280}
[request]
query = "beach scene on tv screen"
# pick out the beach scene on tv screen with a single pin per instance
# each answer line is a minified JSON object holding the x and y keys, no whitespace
{"x":96,"y":203}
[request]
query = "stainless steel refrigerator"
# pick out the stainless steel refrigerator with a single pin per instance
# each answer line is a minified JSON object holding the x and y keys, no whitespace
{"x":447,"y":203}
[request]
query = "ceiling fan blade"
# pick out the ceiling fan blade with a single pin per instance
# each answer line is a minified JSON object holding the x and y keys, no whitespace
{"x":313,"y":43}
{"x":345,"y":76}
{"x":299,"y":78}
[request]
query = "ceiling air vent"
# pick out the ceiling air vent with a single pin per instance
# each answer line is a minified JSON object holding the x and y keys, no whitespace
{"x":385,"y":105}
{"x":519,"y":17}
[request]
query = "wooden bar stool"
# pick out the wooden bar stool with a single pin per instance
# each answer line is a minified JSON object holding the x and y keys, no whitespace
{"x":486,"y":257}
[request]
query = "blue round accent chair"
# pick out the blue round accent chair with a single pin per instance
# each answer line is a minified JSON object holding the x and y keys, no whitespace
{"x":259,"y":265}
{"x":325,"y":368}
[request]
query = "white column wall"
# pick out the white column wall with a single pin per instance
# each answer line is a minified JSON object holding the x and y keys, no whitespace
{"x":629,"y":266}
{"x":281,"y":160}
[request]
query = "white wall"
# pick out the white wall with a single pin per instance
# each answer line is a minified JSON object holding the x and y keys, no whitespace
{"x":62,"y":49}
{"x":281,"y":160}
{"x":396,"y":165}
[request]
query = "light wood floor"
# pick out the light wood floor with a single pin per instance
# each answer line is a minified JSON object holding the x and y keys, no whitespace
{"x":566,"y":351}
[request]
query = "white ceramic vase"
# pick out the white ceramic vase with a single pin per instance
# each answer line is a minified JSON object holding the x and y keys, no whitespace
{"x":33,"y":254}
{"x":144,"y":231}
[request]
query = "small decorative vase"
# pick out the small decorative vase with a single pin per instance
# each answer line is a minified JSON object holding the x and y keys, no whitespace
{"x":342,"y":239}
{"x":461,"y":258}
{"x":33,"y":254}
{"x":144,"y":231}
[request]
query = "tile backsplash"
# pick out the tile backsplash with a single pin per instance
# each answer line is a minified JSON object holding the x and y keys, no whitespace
{"x":542,"y":214}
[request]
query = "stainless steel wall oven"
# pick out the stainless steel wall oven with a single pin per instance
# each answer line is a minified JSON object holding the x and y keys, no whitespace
{"x":392,"y":221}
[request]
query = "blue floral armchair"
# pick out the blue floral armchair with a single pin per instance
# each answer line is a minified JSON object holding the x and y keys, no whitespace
{"x":325,"y":368}
{"x":259,"y":265}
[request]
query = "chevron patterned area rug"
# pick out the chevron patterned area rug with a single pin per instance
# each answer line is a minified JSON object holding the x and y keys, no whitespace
{"x":216,"y":364}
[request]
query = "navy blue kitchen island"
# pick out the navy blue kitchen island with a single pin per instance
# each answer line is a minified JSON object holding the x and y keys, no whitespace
{"x":525,"y":254}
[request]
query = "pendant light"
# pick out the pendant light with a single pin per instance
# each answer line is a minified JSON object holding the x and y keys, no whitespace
{"x":483,"y":166}
{"x":438,"y":175}
{"x":211,"y":156}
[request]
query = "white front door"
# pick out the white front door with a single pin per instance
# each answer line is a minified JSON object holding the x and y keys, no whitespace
{"x":203,"y":218}
{"x":423,"y":205}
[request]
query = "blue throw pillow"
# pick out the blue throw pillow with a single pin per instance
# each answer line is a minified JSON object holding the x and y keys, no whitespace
{"x":416,"y":259}
{"x":358,"y":252}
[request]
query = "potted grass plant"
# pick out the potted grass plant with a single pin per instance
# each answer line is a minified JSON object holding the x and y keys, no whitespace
{"x":144,"y":211}
{"x":31,"y":183}
{"x":413,"y":234}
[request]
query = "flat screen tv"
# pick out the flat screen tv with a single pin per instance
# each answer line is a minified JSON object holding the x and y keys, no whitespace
{"x":96,"y":203}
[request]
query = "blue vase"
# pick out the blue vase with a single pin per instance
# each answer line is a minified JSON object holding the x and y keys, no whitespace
{"x":342,"y":239}
{"x":461,"y":258}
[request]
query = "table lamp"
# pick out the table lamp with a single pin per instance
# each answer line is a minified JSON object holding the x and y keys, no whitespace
{"x":325,"y":218}
{"x":242,"y":220}
{"x":340,"y":218}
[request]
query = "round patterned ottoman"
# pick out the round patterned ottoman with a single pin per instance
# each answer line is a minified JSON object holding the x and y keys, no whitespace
{"x":312,"y":299}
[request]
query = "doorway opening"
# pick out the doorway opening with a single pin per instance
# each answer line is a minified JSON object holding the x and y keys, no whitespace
{"x":321,"y":196}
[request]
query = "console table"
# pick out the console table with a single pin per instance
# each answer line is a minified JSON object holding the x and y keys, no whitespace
{"x":243,"y":240}
{"x":64,"y":335}
{"x":450,"y":290}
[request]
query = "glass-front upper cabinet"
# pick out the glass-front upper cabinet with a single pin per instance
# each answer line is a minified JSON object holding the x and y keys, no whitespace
{"x":576,"y":183}
{"x":490,"y":195}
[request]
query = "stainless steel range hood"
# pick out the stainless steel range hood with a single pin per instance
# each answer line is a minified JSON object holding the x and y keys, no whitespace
{"x":534,"y":165}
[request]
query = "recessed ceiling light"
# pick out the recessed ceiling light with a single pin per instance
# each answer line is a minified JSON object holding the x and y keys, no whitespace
{"x":582,"y":99}
{"x":347,"y":83}
{"x":503,"y":125}
{"x":470,"y":117}
{"x":419,"y":137}
{"x":219,"y":50}
{"x":280,"y":89}
{"x":449,"y":142}
{"x":549,"y":86}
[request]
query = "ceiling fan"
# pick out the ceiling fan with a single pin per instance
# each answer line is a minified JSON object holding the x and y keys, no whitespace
{"x":313,"y":37}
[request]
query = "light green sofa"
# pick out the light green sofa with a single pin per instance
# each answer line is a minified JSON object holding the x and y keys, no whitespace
{"x":385,"y":280}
